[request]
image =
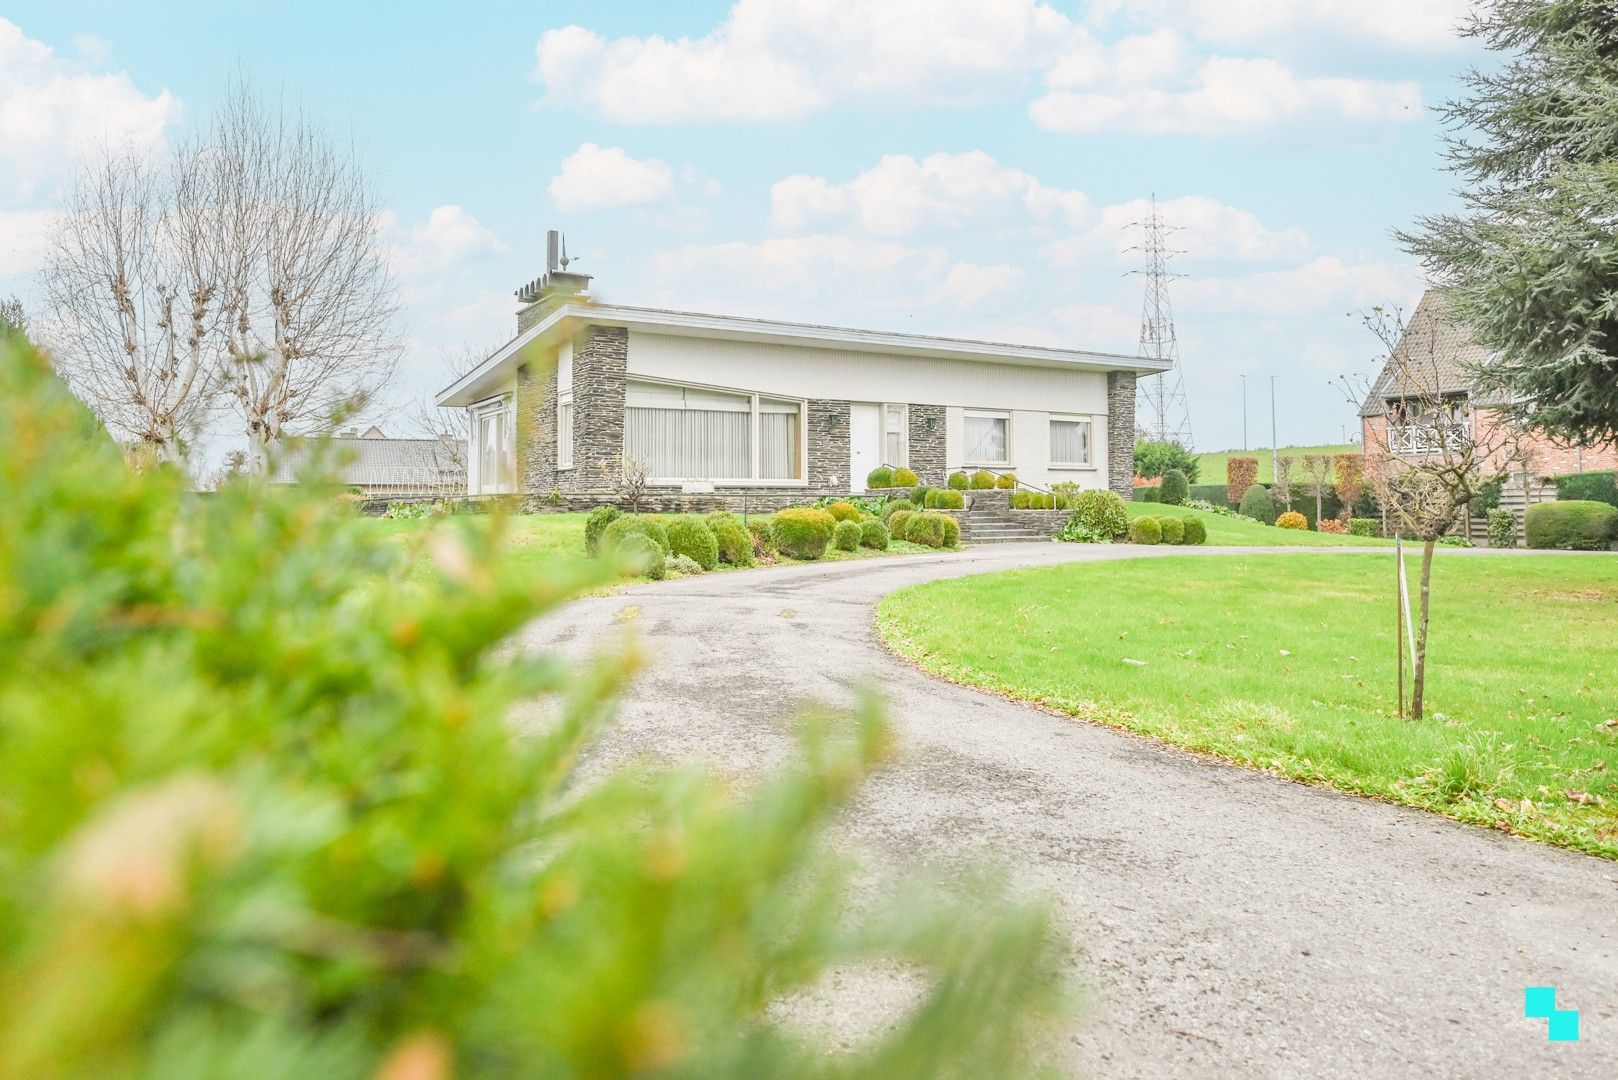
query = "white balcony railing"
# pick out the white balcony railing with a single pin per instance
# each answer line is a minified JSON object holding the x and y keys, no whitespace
{"x":1426,"y":438}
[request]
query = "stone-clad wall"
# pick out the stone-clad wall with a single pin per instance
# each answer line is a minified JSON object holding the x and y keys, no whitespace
{"x":1121,"y":432}
{"x":536,"y":429}
{"x":829,"y":447}
{"x":927,"y":443}
{"x":600,"y":361}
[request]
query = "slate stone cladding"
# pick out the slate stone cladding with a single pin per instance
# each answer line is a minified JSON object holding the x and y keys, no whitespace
{"x":1121,"y":432}
{"x":927,"y":443}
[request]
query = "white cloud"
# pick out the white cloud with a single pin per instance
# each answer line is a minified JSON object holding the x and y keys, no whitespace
{"x":605,"y":178}
{"x":449,"y":237}
{"x":24,"y":235}
{"x":1203,"y":229}
{"x":1226,"y":95}
{"x":900,"y":196}
{"x":1324,"y":286}
{"x":971,"y":283}
{"x":782,"y":59}
{"x":51,"y":108}
{"x":1409,"y":24}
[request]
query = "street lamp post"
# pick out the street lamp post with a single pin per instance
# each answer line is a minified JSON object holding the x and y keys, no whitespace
{"x":1275,"y":443}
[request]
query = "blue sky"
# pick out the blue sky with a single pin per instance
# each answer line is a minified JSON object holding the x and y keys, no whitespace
{"x":941,"y":166}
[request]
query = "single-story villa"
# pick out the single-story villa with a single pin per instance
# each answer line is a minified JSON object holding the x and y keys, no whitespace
{"x":375,"y":464}
{"x":716,"y":405}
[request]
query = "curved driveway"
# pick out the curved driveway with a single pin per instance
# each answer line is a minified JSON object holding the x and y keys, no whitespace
{"x":1228,"y":923}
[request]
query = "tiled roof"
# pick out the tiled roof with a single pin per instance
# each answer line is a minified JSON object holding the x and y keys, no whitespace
{"x":368,"y":462}
{"x":1436,"y":355}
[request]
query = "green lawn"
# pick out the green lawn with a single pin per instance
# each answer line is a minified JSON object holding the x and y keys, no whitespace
{"x":1287,"y":663}
{"x":1245,"y":532}
{"x":1211,"y":466}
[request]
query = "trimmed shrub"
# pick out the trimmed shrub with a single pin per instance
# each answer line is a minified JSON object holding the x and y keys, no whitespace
{"x":1256,"y":504}
{"x":1349,"y":469}
{"x":959,"y":481}
{"x":690,"y":536}
{"x":879,"y":477}
{"x":1333,"y":526}
{"x":1502,"y":525}
{"x":1362,"y":526}
{"x":1006,"y":481}
{"x":949,"y":500}
{"x":626,"y":524}
{"x":845,"y":535}
{"x":1153,"y":459}
{"x":905,"y":478}
{"x":1101,"y":512}
{"x":1019,"y":499}
{"x":1588,"y":487}
{"x":1172,"y":530}
{"x":843,"y":511}
{"x":1575,"y":525}
{"x":1292,"y":520}
{"x":1218,"y":494}
{"x":596,"y":524}
{"x":1195,"y":531}
{"x":802,"y":532}
{"x":759,"y":530}
{"x":1149,"y":493}
{"x":899,"y":523}
{"x":929,"y":529}
{"x":641,"y":553}
{"x":682,"y":566}
{"x":1175,"y":489}
{"x":735,"y":545}
{"x":982,"y":480}
{"x":952,"y":532}
{"x":874,"y":535}
{"x":1240,"y":474}
{"x":894,"y":506}
{"x":1145,"y":530}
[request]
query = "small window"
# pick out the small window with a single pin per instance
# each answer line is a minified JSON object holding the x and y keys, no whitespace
{"x":896,"y":436}
{"x":564,"y":433}
{"x":1070,"y":442}
{"x":986,"y":439}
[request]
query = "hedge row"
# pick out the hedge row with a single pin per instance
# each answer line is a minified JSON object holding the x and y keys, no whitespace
{"x":1589,"y":487}
{"x":1571,"y":525}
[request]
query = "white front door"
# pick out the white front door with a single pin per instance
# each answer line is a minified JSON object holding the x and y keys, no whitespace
{"x":865,"y":443}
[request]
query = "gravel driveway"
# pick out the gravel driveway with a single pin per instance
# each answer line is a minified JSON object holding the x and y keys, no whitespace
{"x":1228,"y":923}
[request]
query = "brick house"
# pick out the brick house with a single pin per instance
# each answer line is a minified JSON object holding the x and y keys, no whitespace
{"x":720,"y":406}
{"x":1440,"y":355}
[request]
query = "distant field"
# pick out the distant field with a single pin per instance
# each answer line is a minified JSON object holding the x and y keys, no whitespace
{"x":1211,"y":466}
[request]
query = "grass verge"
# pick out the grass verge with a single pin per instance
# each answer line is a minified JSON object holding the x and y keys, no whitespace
{"x":1286,"y":664}
{"x":1245,"y":532}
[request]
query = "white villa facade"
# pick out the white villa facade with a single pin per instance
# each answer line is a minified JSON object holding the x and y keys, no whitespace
{"x":718,"y":405}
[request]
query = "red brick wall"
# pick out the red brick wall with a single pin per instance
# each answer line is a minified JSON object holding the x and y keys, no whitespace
{"x":1548,"y":457}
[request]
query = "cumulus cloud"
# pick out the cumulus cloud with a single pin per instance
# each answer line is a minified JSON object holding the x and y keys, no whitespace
{"x":972,"y":283}
{"x":606,"y":178}
{"x":51,"y":108}
{"x":901,"y":196}
{"x":24,"y":235}
{"x":1417,"y":25}
{"x":1204,"y":229}
{"x":1327,"y":284}
{"x":448,"y":238}
{"x":783,"y":59}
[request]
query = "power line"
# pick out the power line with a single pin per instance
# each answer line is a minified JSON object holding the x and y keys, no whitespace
{"x":1161,"y":410}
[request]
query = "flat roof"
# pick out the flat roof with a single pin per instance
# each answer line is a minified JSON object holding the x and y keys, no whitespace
{"x":495,"y":371}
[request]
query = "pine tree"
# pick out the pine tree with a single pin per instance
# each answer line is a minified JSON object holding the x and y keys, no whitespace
{"x":1531,"y":263}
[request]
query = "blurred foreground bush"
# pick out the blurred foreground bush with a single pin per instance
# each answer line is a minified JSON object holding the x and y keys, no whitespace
{"x":263,"y":814}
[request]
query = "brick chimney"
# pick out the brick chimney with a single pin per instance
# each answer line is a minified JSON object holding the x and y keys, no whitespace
{"x":545,"y":294}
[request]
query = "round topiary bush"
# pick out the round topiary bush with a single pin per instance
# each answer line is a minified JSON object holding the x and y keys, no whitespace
{"x":879,"y":477}
{"x":596,"y":524}
{"x":894,"y":506}
{"x":1006,"y":480}
{"x":845,"y":535}
{"x":1019,"y":500}
{"x":1256,"y":504}
{"x":874,"y":535}
{"x":1292,"y":520}
{"x":959,"y":481}
{"x":642,"y":555}
{"x":945,"y":500}
{"x":1145,"y":530}
{"x":682,"y":566}
{"x":1174,"y":489}
{"x":1172,"y":530}
{"x":905,"y":478}
{"x":899,"y":523}
{"x":1101,"y":512}
{"x":982,"y":480}
{"x":926,"y":528}
{"x":952,"y":532}
{"x":1571,"y":525}
{"x":802,"y":532}
{"x":691,"y":537}
{"x":1365,"y":526}
{"x":735,"y":545}
{"x":843,"y":511}
{"x":627,"y":524}
{"x":759,"y":530}
{"x":1195,"y":531}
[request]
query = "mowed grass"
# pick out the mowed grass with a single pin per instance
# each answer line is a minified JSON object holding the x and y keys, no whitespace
{"x":1245,"y":532}
{"x":1211,"y":466}
{"x":1286,"y":663}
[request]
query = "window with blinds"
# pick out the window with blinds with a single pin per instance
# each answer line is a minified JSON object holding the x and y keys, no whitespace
{"x":693,"y":433}
{"x":1070,"y":442}
{"x":896,"y":435}
{"x":986,"y":439}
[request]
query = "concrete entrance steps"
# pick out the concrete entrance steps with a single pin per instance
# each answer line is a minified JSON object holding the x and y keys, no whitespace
{"x":987,"y":527}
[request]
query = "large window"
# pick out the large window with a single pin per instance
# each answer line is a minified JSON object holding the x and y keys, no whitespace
{"x":896,"y":435}
{"x":564,"y":432}
{"x":1070,"y":442}
{"x":986,"y":439}
{"x":496,"y":434}
{"x":693,"y":433}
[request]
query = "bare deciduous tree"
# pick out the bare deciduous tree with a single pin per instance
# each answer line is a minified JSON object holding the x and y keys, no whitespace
{"x":13,"y":317}
{"x":1283,"y":468}
{"x":1435,"y":454}
{"x":1317,"y":467}
{"x":308,"y":301}
{"x":450,"y":426}
{"x":134,"y":298}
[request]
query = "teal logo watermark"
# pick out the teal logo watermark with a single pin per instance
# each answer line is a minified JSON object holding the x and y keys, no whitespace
{"x":1561,"y":1025}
